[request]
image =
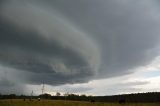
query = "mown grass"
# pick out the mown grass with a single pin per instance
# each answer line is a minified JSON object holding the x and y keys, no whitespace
{"x":66,"y":103}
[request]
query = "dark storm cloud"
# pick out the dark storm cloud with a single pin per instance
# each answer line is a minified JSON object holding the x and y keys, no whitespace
{"x":74,"y":41}
{"x":37,"y":41}
{"x":10,"y":82}
{"x":5,"y":83}
{"x":127,"y":30}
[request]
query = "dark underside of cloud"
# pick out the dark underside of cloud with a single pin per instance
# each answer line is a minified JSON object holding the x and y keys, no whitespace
{"x":74,"y":41}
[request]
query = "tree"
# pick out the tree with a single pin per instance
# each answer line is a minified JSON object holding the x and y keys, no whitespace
{"x":12,"y":96}
{"x":45,"y":96}
{"x":58,"y":94}
{"x":83,"y":95}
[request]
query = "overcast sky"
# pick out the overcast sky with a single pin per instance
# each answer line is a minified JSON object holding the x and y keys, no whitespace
{"x":94,"y":47}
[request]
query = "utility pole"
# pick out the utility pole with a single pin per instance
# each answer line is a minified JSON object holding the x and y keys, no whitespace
{"x":42,"y":94}
{"x":31,"y":95}
{"x":42,"y":88}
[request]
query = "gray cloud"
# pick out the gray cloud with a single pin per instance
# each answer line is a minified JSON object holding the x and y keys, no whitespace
{"x":135,"y":83}
{"x":72,"y":89}
{"x":40,"y":42}
{"x":127,"y":31}
{"x":10,"y":81}
{"x":72,"y":41}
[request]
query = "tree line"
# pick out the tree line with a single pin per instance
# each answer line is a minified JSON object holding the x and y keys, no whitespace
{"x":137,"y":97}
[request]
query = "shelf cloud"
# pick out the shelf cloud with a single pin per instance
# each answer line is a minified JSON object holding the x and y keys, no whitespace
{"x":39,"y":41}
{"x":71,"y":41}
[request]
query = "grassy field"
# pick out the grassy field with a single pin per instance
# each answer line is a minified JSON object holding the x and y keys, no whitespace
{"x":66,"y":103}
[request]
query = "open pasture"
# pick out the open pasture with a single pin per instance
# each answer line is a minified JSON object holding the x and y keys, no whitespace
{"x":18,"y":102}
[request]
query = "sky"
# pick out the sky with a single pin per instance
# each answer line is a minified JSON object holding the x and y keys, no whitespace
{"x":93,"y":47}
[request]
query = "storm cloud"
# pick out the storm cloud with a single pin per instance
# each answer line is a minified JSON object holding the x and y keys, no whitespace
{"x":36,"y":40}
{"x":75,"y":41}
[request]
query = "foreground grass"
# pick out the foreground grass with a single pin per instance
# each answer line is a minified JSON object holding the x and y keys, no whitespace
{"x":66,"y":103}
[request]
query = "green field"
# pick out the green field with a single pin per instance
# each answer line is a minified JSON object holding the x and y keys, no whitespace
{"x":66,"y":103}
